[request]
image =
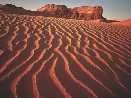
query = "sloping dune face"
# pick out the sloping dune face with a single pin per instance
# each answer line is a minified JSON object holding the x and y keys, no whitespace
{"x":46,"y":57}
{"x":125,"y":22}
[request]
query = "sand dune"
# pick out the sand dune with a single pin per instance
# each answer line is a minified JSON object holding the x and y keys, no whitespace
{"x":124,"y":22}
{"x":50,"y":57}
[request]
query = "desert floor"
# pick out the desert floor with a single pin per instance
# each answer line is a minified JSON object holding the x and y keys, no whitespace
{"x":48,"y":57}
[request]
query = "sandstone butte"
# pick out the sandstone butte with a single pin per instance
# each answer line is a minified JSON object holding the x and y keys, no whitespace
{"x":10,"y":6}
{"x":82,"y":12}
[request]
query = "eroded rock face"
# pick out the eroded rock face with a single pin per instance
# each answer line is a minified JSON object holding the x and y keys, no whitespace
{"x":13,"y":6}
{"x":10,"y":7}
{"x":83,"y":12}
{"x":54,"y":9}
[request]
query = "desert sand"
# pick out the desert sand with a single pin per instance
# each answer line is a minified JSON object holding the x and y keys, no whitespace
{"x":124,"y":22}
{"x":49,"y":57}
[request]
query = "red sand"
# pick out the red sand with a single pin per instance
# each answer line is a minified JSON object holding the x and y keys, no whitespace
{"x":124,"y":22}
{"x":51,"y":57}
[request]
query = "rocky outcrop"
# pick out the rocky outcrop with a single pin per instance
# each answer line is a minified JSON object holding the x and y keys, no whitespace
{"x":13,"y":6}
{"x":10,"y":8}
{"x":83,"y":12}
{"x":60,"y":10}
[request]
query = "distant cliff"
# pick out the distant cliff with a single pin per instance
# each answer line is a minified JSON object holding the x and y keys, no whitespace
{"x":10,"y":6}
{"x":13,"y":9}
{"x":82,"y":12}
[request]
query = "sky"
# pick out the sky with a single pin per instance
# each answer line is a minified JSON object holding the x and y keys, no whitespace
{"x":112,"y":9}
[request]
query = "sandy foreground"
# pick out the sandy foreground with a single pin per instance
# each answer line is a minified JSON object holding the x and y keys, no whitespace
{"x":47,"y":57}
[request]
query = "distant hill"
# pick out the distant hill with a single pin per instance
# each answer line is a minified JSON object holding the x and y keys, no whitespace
{"x":52,"y":10}
{"x":82,"y":12}
{"x":13,"y":9}
{"x":92,"y":13}
{"x":10,"y":6}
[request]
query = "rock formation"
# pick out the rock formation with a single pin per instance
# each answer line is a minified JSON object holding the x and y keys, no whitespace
{"x":10,"y":6}
{"x":83,"y":12}
{"x":13,"y":6}
{"x":13,"y":9}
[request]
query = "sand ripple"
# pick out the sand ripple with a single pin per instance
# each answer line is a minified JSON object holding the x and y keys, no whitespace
{"x":47,"y":57}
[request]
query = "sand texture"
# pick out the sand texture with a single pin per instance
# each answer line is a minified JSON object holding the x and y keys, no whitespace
{"x":124,"y":22}
{"x":48,"y":57}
